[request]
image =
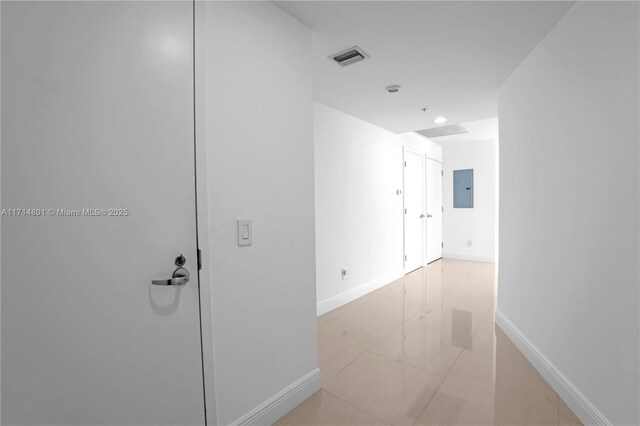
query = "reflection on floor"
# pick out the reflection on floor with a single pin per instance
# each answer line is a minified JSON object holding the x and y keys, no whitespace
{"x":425,"y":350}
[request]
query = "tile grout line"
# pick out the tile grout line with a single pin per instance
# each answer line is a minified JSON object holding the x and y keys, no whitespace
{"x":558,"y":416}
{"x":505,"y":396}
{"x":355,"y":406}
{"x":445,"y":377}
{"x":343,"y":368}
{"x":429,"y":401}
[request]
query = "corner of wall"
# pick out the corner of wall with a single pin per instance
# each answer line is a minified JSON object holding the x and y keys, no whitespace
{"x":284,"y":401}
{"x":579,"y":404}
{"x":335,"y":302}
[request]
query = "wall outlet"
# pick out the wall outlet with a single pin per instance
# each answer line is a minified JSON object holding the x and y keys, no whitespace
{"x":344,"y":272}
{"x":469,"y":243}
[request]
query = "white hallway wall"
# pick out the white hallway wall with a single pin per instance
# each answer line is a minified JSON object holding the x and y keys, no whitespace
{"x":358,"y":168}
{"x":569,"y":210}
{"x":260,"y":164}
{"x":477,"y":224}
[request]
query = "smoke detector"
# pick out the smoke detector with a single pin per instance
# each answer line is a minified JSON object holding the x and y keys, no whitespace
{"x":350,"y":56}
{"x":394,"y":88}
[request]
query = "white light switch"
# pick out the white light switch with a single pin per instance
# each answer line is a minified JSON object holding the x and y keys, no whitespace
{"x":244,"y":233}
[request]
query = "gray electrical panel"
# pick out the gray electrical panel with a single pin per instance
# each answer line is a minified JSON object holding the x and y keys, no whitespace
{"x":463,"y":189}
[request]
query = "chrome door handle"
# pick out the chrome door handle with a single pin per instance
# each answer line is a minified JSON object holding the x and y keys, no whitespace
{"x":180,"y":277}
{"x":428,"y":216}
{"x":421,"y":216}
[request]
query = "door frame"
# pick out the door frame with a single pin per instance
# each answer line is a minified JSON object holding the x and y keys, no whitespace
{"x":202,"y":210}
{"x":422,"y":155}
{"x":426,"y":227}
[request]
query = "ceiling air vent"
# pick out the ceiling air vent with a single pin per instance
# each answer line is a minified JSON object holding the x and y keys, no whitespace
{"x":453,"y":129}
{"x":349,"y":56}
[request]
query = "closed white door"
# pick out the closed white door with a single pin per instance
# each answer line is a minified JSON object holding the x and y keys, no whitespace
{"x":434,"y":210}
{"x":413,"y":211}
{"x":97,"y":114}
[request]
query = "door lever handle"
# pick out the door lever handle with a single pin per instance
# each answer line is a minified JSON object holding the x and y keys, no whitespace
{"x":421,"y":216}
{"x":428,"y":216}
{"x":180,"y":276}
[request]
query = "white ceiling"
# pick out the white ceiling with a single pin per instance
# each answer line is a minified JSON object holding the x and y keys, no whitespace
{"x":448,"y":56}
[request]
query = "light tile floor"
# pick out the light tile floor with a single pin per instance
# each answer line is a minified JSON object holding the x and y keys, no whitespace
{"x":425,"y":350}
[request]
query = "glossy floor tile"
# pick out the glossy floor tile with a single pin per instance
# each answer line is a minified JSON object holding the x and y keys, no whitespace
{"x":425,"y":350}
{"x":334,"y":355}
{"x":457,"y":404}
{"x":325,"y":409}
{"x":357,"y":329}
{"x":419,"y":349}
{"x":390,"y":390}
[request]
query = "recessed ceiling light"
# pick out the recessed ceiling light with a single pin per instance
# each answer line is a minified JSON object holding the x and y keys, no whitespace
{"x":394,"y":88}
{"x":440,"y":120}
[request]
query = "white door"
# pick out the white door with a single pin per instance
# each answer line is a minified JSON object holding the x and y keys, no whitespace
{"x":413,"y":210}
{"x":434,"y":210}
{"x":97,"y":113}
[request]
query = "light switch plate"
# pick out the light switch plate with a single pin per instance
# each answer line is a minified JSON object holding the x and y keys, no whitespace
{"x":245,"y":232}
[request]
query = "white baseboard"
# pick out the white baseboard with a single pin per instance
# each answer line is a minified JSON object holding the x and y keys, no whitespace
{"x":579,"y":404}
{"x":359,"y":291}
{"x":284,"y":401}
{"x":471,"y":257}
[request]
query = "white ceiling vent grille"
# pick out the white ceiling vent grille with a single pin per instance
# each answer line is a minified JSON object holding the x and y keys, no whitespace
{"x":453,"y":129}
{"x":350,"y":56}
